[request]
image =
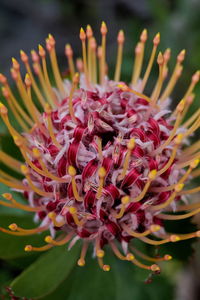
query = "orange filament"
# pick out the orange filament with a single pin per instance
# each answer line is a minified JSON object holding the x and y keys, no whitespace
{"x":120,"y":40}
{"x":191,"y":191}
{"x":99,"y":144}
{"x":69,"y":54}
{"x":15,"y":227}
{"x":16,"y":204}
{"x":84,"y":53}
{"x":72,"y":173}
{"x":37,"y":190}
{"x":178,"y":188}
{"x":105,"y":268}
{"x":103,"y":49}
{"x":73,"y":212}
{"x":59,"y":242}
{"x":14,"y":185}
{"x":195,"y":79}
{"x":81,"y":261}
{"x":152,"y":175}
{"x":139,"y":56}
{"x":99,"y":252}
{"x":73,"y":88}
{"x":158,"y":86}
{"x":6,"y":204}
{"x":156,"y":42}
{"x":116,"y":251}
{"x":130,"y":147}
{"x":29,"y":248}
{"x":179,"y":217}
{"x":51,"y":48}
{"x":41,"y":99}
{"x":175,"y":75}
{"x":166,"y":257}
{"x":89,"y":34}
{"x":172,"y":238}
{"x":153,"y":268}
{"x":153,"y":228}
{"x":124,"y":201}
{"x":94,"y":60}
{"x":102,"y":174}
{"x":50,"y":126}
{"x":125,"y":88}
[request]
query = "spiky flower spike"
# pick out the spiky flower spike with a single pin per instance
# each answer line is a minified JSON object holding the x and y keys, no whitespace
{"x":104,"y":163}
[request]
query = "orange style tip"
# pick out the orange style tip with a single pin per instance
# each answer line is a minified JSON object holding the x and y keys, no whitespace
{"x":3,"y":109}
{"x":160,"y":59}
{"x":34,"y":56}
{"x":156,"y":39}
{"x":76,"y":78}
{"x":167,"y":54}
{"x":106,"y":268}
{"x":167,"y":257}
{"x":7,"y":196}
{"x":82,"y":34}
{"x":179,"y":187}
{"x":190,"y":98}
{"x":27,"y":80}
{"x":17,"y":141}
{"x":81,"y":262}
{"x":41,"y":50}
{"x":130,"y":257}
{"x":89,"y":31}
{"x":28,"y":248}
{"x":100,"y":253}
{"x":102,"y":172}
{"x":125,"y":200}
{"x":154,"y":228}
{"x":120,"y":37}
{"x":196,"y":77}
{"x":5,"y":92}
{"x":174,"y":238}
{"x":13,"y":227}
{"x":123,"y":87}
{"x":36,"y":153}
{"x":71,"y":171}
{"x":155,"y":268}
{"x":24,"y":169}
{"x":68,"y":50}
{"x":181,"y":56}
{"x":131,"y":144}
{"x":48,"y":239}
{"x":72,"y":210}
{"x":104,"y":29}
{"x":3,"y":78}
{"x":143,"y":36}
{"x":24,"y":56}
{"x":15,"y":64}
{"x":52,"y":215}
{"x":178,"y":139}
{"x":194,"y":164}
{"x":198,"y":233}
{"x":152,"y":174}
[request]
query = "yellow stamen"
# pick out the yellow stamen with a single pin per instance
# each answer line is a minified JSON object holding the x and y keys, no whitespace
{"x":29,"y":248}
{"x":73,"y":212}
{"x":124,"y":201}
{"x":72,"y":173}
{"x":59,"y":242}
{"x":103,"y":47}
{"x":84,"y":53}
{"x":73,"y":88}
{"x":159,"y":83}
{"x":52,"y":53}
{"x":15,"y":227}
{"x":50,"y":126}
{"x":152,"y":175}
{"x":105,"y":268}
{"x":120,"y":40}
{"x":130,"y":146}
{"x":166,"y":257}
{"x":153,"y":228}
{"x":69,"y":54}
{"x":156,"y":42}
{"x":139,"y":56}
{"x":175,"y":75}
{"x":16,"y":204}
{"x":102,"y":175}
{"x":81,"y":261}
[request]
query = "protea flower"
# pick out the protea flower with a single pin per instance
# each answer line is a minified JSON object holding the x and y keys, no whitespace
{"x":104,"y":162}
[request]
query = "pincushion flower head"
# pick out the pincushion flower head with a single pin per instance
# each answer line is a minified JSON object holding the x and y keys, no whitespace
{"x":104,"y":162}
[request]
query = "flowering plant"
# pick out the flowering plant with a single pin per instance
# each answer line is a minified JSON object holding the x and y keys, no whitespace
{"x":103,"y":162}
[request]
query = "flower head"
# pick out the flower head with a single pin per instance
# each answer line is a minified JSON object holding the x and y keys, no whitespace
{"x":103,"y":162}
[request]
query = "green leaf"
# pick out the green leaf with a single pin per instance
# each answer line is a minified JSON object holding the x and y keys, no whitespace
{"x":46,"y":273}
{"x":122,"y":282}
{"x":13,"y":246}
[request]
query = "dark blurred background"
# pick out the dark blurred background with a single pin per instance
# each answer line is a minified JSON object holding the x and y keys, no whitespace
{"x":26,"y":23}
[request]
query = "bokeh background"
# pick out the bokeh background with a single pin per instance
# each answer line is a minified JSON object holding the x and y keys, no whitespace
{"x":26,"y":23}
